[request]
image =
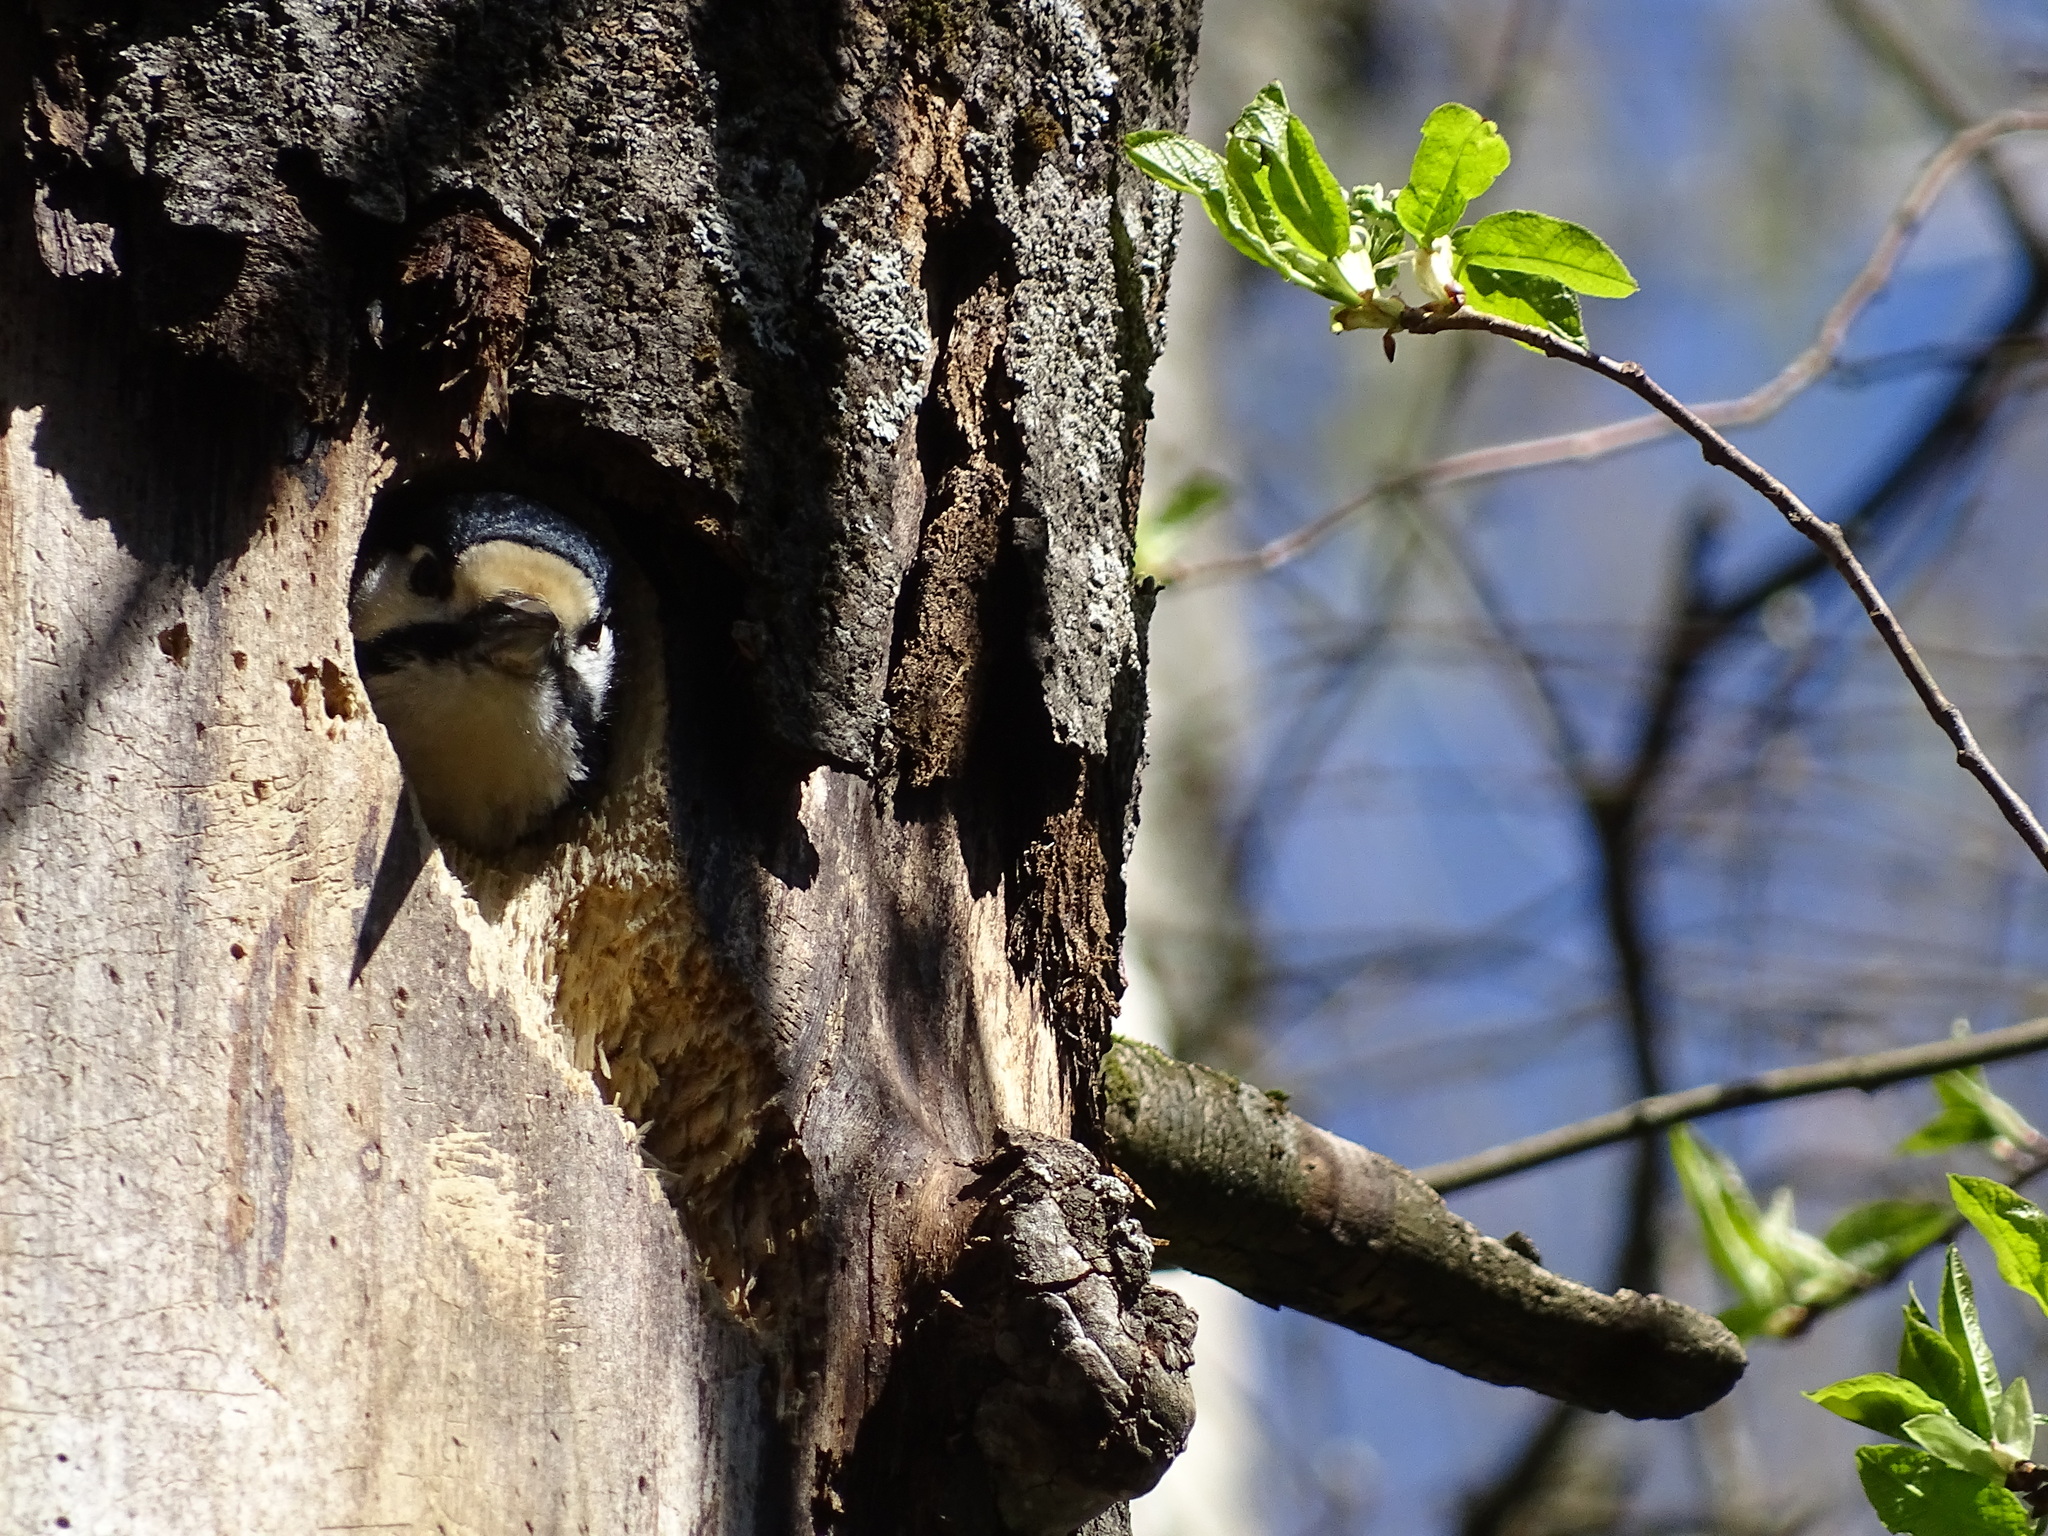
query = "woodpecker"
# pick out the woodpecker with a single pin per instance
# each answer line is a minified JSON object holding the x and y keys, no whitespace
{"x":483,"y":632}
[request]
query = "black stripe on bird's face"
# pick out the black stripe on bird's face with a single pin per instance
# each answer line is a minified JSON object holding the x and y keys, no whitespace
{"x":516,"y":633}
{"x":425,"y":585}
{"x":491,"y":671}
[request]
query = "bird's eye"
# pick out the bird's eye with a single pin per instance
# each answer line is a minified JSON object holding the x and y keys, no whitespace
{"x":590,"y":633}
{"x":431,"y":576}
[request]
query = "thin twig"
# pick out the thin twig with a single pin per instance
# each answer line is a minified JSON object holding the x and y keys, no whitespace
{"x":1944,"y":97}
{"x":1825,"y":536}
{"x":1597,"y":442}
{"x":1873,"y":1070}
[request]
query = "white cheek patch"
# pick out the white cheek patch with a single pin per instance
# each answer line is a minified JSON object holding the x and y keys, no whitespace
{"x":385,"y":601}
{"x":593,"y":664}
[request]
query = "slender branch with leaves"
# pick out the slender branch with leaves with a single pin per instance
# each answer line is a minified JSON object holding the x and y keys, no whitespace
{"x":1585,"y":444}
{"x":1515,"y":274}
{"x":1272,"y":197}
{"x":1784,"y":1277}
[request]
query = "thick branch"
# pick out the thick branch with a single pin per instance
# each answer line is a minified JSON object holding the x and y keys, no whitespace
{"x":1874,"y":1070}
{"x":1254,"y":1196}
{"x":1758,"y":405}
{"x":1827,"y":537}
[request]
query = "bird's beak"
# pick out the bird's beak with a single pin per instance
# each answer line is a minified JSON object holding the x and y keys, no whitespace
{"x":515,"y":632}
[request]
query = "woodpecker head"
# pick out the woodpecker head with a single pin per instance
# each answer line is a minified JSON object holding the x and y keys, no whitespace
{"x":483,"y":633}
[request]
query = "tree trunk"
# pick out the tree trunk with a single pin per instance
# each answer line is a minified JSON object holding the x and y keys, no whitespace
{"x":705,"y":1166}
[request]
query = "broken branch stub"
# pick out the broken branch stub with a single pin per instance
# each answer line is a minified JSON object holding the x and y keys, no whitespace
{"x":1250,"y":1194}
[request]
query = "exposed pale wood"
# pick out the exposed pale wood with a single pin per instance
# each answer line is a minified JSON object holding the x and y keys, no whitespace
{"x":281,"y":1253}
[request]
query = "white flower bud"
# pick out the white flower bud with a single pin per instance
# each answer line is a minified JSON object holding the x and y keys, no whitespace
{"x":1433,"y":268}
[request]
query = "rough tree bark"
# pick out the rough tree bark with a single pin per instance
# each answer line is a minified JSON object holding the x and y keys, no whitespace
{"x":712,"y":1165}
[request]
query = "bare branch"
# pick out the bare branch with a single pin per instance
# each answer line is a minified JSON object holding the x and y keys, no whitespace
{"x":1883,"y":35}
{"x":1825,"y":536}
{"x":1942,"y":96}
{"x":1597,"y":442}
{"x":1256,"y":1197}
{"x":1873,"y":1070}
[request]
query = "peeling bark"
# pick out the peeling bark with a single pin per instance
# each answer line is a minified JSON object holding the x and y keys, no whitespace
{"x":1253,"y":1195}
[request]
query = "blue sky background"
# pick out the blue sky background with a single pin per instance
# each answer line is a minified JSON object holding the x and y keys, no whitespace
{"x":1417,"y":874}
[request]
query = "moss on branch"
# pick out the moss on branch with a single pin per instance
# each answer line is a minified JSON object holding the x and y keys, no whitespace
{"x":1250,"y":1194}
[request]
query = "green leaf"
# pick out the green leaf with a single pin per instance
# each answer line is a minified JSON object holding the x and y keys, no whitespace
{"x":1537,"y":301}
{"x":1244,"y":169}
{"x":1971,"y":1112}
{"x":1179,"y":162}
{"x":1233,"y":219}
{"x":1321,"y":211}
{"x":1460,"y":155}
{"x":1175,"y":160}
{"x":1879,"y":1237}
{"x":1729,"y":1222}
{"x":1965,"y":1334}
{"x":1264,"y":119}
{"x":1535,"y":243}
{"x":1195,"y":497}
{"x":2008,"y":1121}
{"x":1929,"y":1361}
{"x":1915,"y":1495}
{"x":1958,"y":1125}
{"x":1780,"y":1272}
{"x":1271,"y":159}
{"x":1959,"y":1447}
{"x":1969,"y":1086}
{"x":1815,"y":1273}
{"x":1245,"y":172}
{"x":2012,"y":1422}
{"x":1878,"y":1401}
{"x":2015,"y":1227}
{"x":1269,"y":237}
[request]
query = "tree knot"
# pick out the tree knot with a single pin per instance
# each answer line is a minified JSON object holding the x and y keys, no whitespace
{"x":1056,"y":1378}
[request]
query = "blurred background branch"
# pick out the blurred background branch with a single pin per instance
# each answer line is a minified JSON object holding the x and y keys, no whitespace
{"x":1877,"y":1069}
